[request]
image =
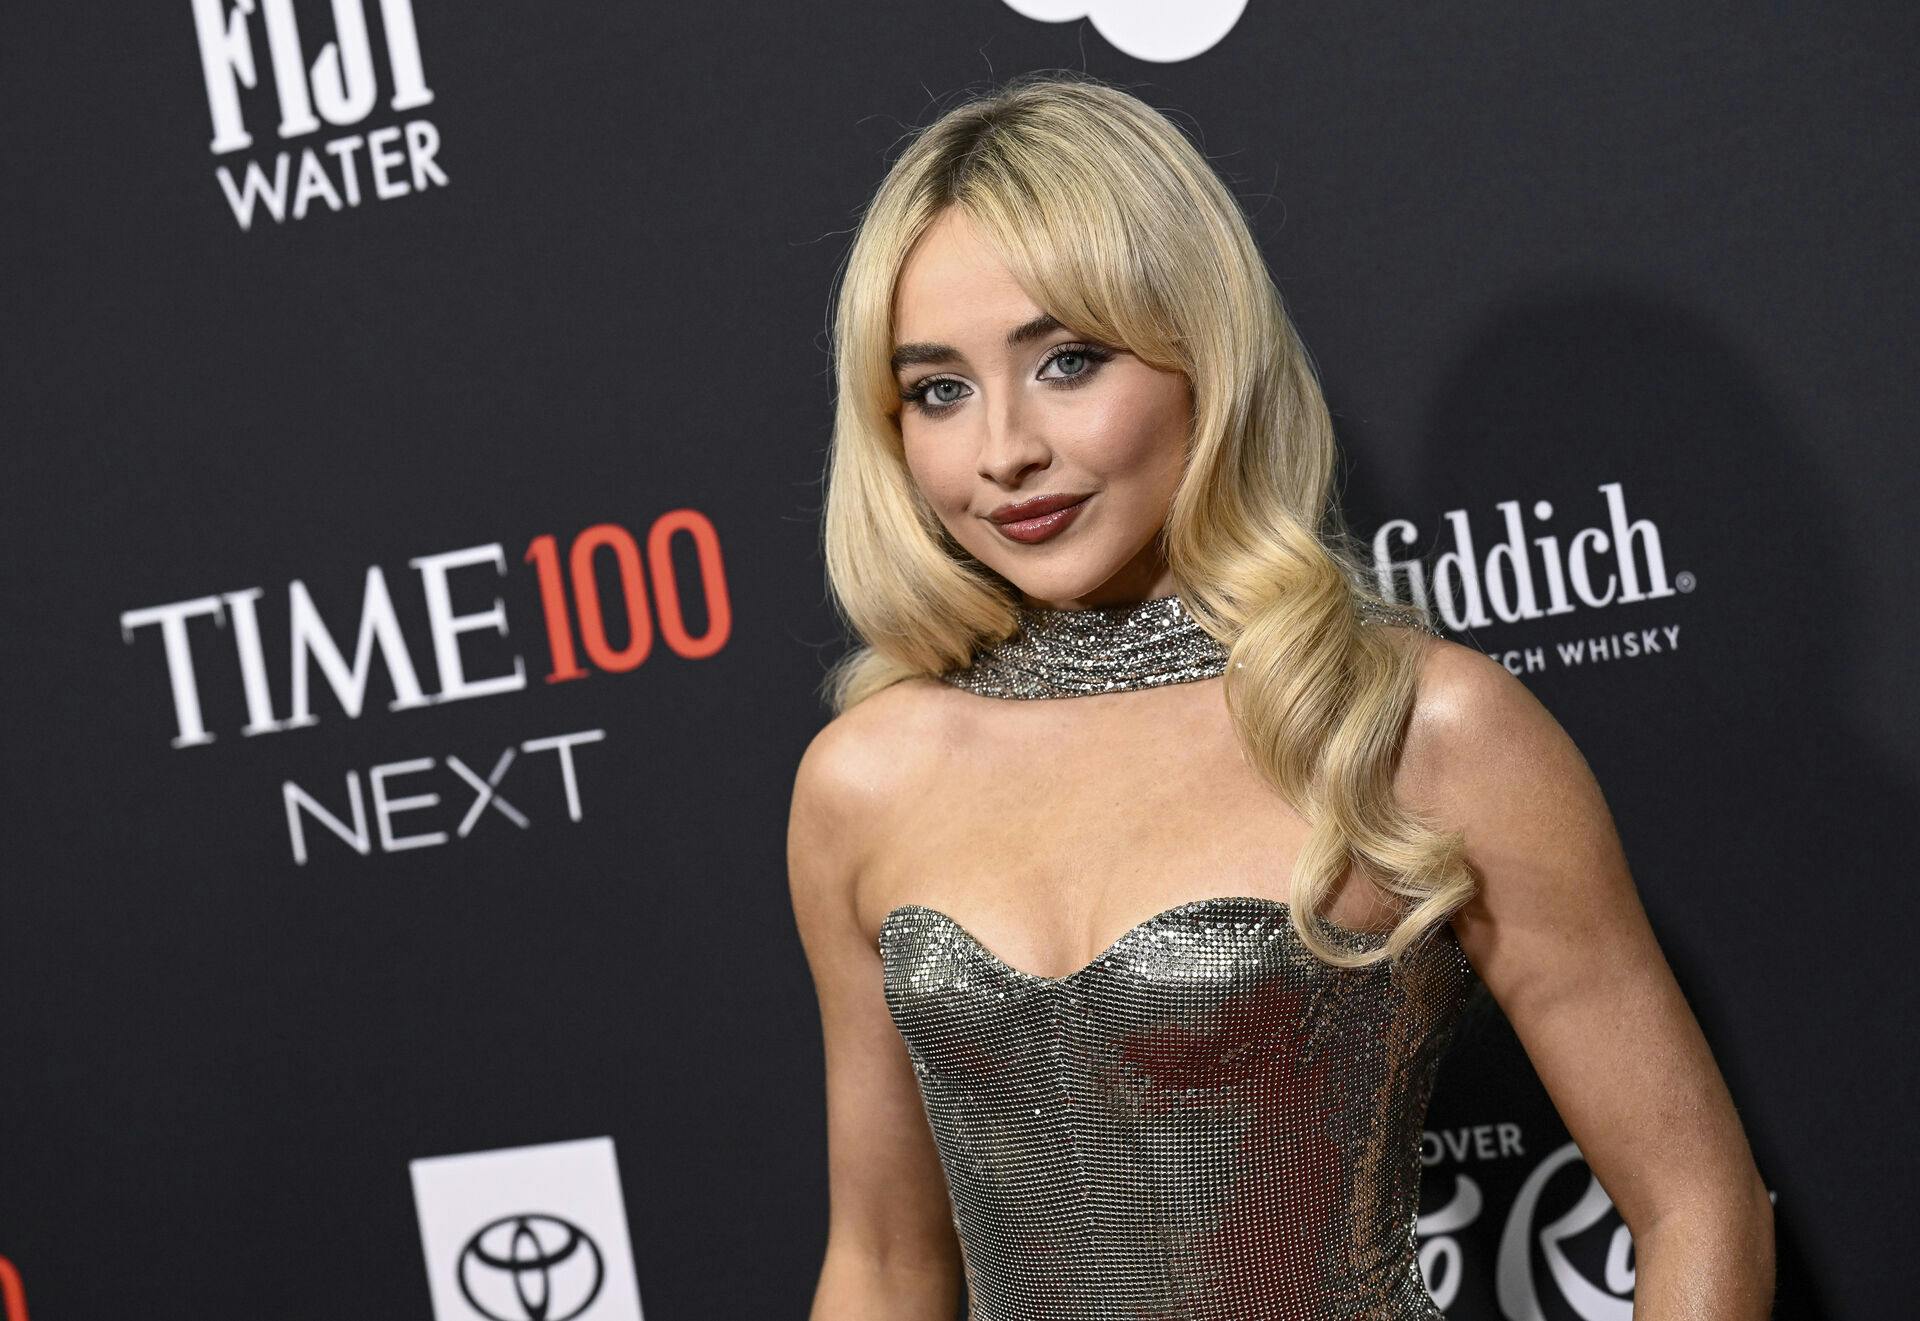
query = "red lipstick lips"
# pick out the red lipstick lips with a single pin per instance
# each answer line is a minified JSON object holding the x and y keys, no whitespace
{"x":1029,"y":521}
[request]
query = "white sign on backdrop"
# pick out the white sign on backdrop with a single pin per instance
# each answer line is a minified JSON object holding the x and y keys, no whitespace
{"x":527,"y":1234}
{"x":1146,"y":29}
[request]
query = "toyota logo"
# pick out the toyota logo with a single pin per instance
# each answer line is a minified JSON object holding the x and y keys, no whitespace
{"x":531,"y":1267}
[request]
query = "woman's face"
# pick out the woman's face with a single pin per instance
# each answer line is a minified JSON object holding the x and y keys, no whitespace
{"x":1000,"y":406}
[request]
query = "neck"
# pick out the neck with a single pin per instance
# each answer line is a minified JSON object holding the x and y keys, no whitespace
{"x":1148,"y":578}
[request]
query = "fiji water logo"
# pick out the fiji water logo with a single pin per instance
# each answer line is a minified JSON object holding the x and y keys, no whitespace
{"x":339,"y":87}
{"x":1146,"y":29}
{"x":1533,"y":572}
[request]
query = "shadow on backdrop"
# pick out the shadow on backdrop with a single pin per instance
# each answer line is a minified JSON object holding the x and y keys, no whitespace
{"x":1758,"y":817}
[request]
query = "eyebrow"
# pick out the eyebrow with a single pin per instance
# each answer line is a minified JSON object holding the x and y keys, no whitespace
{"x":923,"y":354}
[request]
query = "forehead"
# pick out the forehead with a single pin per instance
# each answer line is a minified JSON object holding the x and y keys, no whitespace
{"x":952,"y":280}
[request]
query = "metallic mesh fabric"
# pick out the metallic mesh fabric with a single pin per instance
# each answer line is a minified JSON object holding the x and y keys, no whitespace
{"x":1105,"y":649}
{"x":1206,"y":1123}
{"x":1100,"y":649}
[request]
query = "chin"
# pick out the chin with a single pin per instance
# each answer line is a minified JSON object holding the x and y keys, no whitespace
{"x":1058,"y":583}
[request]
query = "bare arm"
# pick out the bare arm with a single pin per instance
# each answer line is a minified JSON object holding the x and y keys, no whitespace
{"x":1558,"y":935}
{"x":892,"y":1254}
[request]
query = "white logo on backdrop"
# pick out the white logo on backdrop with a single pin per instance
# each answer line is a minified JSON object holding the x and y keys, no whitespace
{"x":1539,"y":573}
{"x":1159,"y":30}
{"x":527,"y":1234}
{"x":340,"y":87}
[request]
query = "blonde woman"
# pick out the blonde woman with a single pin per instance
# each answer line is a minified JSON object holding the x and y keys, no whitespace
{"x":1150,"y":854}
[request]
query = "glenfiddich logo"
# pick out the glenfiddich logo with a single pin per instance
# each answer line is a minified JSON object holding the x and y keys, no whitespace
{"x":1534,"y":569}
{"x":339,"y":88}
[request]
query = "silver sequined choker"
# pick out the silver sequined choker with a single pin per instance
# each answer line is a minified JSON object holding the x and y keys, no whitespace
{"x":1101,"y":649}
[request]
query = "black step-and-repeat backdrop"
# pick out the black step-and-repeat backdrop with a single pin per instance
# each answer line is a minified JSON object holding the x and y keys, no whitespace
{"x":414,"y":421}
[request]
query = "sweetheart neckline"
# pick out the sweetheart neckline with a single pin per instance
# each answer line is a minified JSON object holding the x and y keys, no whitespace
{"x":1271,"y":906}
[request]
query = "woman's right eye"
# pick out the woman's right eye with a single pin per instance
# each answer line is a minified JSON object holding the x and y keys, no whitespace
{"x":936,"y":394}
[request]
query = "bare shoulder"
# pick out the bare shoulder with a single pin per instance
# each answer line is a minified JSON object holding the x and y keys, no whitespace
{"x":1475,"y":727}
{"x":1485,"y":757}
{"x":861,"y":757}
{"x":852,"y":774}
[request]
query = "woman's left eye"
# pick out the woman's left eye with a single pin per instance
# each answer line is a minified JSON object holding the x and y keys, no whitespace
{"x":1080,"y":361}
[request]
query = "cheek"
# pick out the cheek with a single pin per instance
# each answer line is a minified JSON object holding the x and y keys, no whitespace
{"x":945,"y":483}
{"x":1138,"y":432}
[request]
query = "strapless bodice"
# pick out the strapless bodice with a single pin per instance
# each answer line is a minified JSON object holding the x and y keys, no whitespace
{"x":1205,"y":1123}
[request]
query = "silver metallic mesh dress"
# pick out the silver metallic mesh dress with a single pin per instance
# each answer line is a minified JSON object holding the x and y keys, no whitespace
{"x":1205,"y":1123}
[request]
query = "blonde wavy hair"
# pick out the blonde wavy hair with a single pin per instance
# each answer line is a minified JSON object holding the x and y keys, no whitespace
{"x":1115,"y":223}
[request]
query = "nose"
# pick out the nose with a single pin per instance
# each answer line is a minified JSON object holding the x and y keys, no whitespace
{"x":1012,"y":444}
